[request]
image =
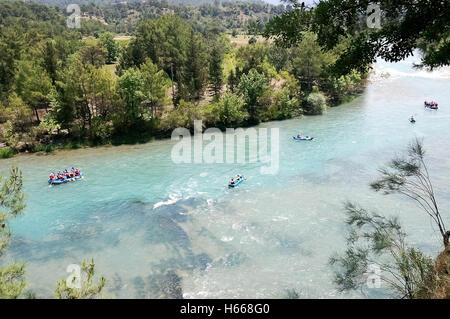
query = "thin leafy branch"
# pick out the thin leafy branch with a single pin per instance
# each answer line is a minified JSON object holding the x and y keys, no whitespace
{"x":410,"y":177}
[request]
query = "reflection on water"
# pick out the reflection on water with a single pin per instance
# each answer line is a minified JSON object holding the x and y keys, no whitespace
{"x":160,"y":230}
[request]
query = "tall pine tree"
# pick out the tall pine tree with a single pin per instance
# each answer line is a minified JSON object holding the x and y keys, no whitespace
{"x":215,"y":70}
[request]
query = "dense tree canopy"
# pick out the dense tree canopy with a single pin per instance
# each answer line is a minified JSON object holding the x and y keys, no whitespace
{"x":12,"y":281}
{"x":61,"y":85}
{"x":404,"y":27}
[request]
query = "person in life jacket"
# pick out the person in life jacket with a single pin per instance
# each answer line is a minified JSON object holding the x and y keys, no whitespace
{"x":52,"y":176}
{"x":77,"y":172}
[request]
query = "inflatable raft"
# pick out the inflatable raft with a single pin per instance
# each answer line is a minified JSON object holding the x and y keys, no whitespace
{"x":303,"y":138}
{"x":65,"y":180}
{"x":236,"y":181}
{"x":432,"y":105}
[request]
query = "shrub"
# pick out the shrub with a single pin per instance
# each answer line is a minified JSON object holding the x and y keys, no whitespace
{"x":284,"y":107}
{"x":101,"y":129}
{"x":252,"y":86}
{"x":316,"y":104}
{"x":228,"y":111}
{"x":43,"y":148}
{"x":49,"y":125}
{"x":7,"y":152}
{"x":183,"y":116}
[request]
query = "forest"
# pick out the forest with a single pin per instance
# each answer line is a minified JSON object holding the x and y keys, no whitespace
{"x":62,"y":87}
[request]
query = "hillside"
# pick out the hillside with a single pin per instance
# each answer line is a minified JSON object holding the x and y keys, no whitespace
{"x":65,"y":3}
{"x":123,"y":17}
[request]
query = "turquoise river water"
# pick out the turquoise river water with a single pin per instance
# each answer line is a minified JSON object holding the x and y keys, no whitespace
{"x":162,"y":230}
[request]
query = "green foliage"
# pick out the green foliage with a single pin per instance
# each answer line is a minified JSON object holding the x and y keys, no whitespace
{"x":101,"y":129}
{"x":375,"y":240}
{"x":93,"y":28}
{"x":395,"y":40}
{"x":228,"y":111}
{"x":195,"y":72}
{"x":309,"y":61}
{"x":49,"y":125}
{"x":90,"y":289}
{"x":50,"y":60}
{"x":11,"y":204}
{"x":62,"y":105}
{"x":279,"y":57}
{"x":59,"y":74}
{"x":94,"y":55}
{"x":216,"y":69}
{"x":6,"y":152}
{"x":12,"y":281}
{"x":316,"y":104}
{"x":252,"y":86}
{"x":12,"y":44}
{"x":176,"y":48}
{"x":32,"y":84}
{"x":287,"y":29}
{"x":183,"y":116}
{"x":110,"y":45}
{"x":155,"y":85}
{"x":233,"y":81}
{"x":130,"y":88}
{"x":346,"y":85}
{"x":87,"y":92}
{"x":409,"y":176}
{"x":203,"y":15}
{"x":16,"y":129}
{"x":285,"y":106}
{"x":251,"y":57}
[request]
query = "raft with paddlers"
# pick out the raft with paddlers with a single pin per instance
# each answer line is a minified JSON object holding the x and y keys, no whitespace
{"x":302,"y":138}
{"x":235,"y":181}
{"x":65,"y":177}
{"x":431,"y":105}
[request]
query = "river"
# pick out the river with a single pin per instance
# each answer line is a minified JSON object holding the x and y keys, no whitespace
{"x":162,"y":230}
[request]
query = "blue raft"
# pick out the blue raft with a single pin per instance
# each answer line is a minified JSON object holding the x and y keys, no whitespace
{"x":237,"y":181}
{"x":303,"y":138}
{"x":65,"y":180}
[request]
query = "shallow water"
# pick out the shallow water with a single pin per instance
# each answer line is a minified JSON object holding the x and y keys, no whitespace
{"x":161,"y":230}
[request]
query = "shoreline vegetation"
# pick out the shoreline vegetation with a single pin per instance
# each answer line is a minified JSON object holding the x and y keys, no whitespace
{"x":74,"y":88}
{"x":8,"y":152}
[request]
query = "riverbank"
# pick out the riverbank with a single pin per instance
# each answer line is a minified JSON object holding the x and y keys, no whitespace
{"x":8,"y":152}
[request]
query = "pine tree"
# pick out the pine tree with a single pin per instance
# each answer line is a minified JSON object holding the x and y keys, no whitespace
{"x":195,"y":70}
{"x":215,"y":70}
{"x":12,"y":280}
{"x":50,"y":60}
{"x":233,"y":81}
